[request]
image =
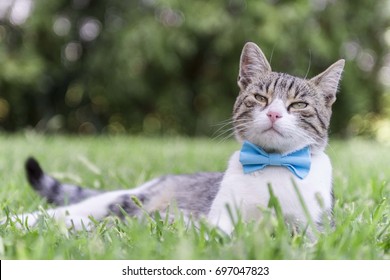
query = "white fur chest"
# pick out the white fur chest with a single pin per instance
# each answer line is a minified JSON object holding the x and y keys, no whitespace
{"x":248,"y":193}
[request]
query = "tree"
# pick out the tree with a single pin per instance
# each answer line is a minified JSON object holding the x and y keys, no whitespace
{"x":169,"y":66}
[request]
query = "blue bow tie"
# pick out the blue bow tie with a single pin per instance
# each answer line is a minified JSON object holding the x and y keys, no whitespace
{"x":254,"y":158}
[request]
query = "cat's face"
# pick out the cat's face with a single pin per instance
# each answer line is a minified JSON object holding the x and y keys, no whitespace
{"x":279,"y":112}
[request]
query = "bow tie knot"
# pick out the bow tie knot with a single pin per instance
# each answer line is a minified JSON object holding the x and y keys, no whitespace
{"x":254,"y":158}
{"x":274,"y":159}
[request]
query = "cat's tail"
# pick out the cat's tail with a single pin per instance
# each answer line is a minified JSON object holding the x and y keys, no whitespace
{"x":51,"y":189}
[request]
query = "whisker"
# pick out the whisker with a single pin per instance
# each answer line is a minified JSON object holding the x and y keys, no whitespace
{"x":227,"y":133}
{"x":223,"y":122}
{"x":221,"y":128}
{"x":308,"y":68}
{"x":231,"y":130}
{"x":328,"y":145}
{"x":227,"y":123}
{"x":272,"y":54}
{"x":232,"y":133}
{"x":225,"y":138}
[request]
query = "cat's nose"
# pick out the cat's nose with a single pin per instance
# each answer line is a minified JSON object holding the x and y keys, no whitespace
{"x":274,"y":116}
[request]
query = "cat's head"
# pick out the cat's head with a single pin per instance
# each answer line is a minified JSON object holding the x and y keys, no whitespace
{"x":279,"y":112}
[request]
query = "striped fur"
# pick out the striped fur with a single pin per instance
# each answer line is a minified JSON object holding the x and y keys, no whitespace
{"x":311,"y":122}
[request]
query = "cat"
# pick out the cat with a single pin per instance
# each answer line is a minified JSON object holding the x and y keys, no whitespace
{"x":276,"y":115}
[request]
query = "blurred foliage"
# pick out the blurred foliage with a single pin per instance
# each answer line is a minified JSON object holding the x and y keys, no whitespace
{"x":170,"y":66}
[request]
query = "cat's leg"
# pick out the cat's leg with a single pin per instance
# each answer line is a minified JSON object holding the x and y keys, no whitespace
{"x":223,"y":212}
{"x":98,"y":207}
{"x":230,"y":206}
{"x":190,"y":193}
{"x":77,"y":214}
{"x":222,"y":220}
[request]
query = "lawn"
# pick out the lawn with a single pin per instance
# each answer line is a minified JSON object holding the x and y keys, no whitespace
{"x":361,"y":187}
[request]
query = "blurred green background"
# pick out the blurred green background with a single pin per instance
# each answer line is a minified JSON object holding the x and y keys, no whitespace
{"x":168,"y":67}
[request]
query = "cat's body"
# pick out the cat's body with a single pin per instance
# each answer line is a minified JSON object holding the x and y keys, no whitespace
{"x":192,"y":194}
{"x":250,"y":193}
{"x":275,"y":111}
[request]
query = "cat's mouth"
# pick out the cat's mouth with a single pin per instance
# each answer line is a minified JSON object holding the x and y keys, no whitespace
{"x":273,"y":130}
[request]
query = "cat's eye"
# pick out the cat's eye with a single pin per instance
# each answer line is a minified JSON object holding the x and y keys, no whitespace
{"x":261,"y":99}
{"x":298,"y":105}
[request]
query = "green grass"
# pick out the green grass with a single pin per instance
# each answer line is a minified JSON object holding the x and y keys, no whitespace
{"x":361,"y":186}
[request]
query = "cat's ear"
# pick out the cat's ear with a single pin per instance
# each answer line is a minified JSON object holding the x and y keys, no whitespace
{"x":328,"y":81}
{"x":252,"y":64}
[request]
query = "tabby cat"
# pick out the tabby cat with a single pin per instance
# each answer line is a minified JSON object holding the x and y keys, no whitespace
{"x":282,"y":122}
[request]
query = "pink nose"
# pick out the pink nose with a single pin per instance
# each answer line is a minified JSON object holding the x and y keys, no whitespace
{"x":274,"y":116}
